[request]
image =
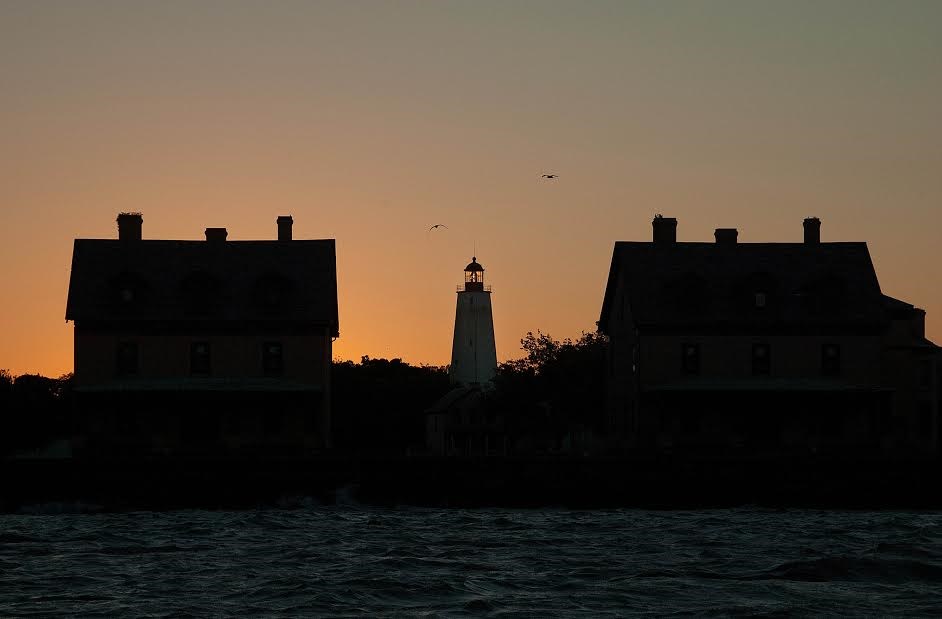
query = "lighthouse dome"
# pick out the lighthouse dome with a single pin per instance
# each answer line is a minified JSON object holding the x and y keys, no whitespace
{"x":474,"y":265}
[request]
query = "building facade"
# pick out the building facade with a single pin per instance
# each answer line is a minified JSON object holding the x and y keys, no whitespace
{"x":203,"y":347}
{"x":763,"y":348}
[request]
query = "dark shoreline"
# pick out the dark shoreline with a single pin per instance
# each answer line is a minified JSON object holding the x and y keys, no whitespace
{"x":531,"y":482}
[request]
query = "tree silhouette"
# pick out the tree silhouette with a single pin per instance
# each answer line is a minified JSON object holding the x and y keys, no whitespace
{"x":378,"y":405}
{"x":557,"y":388}
{"x":35,"y":410}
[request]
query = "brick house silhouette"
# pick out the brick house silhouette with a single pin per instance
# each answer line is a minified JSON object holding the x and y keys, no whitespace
{"x":763,"y":348}
{"x":202,"y":347}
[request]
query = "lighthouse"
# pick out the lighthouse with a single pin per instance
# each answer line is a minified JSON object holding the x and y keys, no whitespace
{"x":473,"y":354}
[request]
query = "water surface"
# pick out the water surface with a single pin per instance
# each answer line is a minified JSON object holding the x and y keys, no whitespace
{"x":350,"y":560}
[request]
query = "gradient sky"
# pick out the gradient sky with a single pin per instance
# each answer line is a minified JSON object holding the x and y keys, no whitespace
{"x":370,"y":121}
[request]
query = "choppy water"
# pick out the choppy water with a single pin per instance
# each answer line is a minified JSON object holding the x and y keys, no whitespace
{"x":358,"y":561}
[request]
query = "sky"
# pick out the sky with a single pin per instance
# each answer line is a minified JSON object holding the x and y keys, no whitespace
{"x":368,"y":122}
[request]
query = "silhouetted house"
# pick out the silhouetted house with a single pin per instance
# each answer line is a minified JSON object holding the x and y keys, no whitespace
{"x":200,"y":347}
{"x":763,"y":348}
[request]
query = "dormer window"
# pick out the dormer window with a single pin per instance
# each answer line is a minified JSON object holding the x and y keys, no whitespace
{"x":201,"y":293}
{"x":689,"y":294}
{"x":127,"y":291}
{"x":757,"y":292}
{"x":271,"y":291}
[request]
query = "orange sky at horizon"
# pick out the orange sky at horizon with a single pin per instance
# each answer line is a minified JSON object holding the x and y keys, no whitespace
{"x":370,"y":122}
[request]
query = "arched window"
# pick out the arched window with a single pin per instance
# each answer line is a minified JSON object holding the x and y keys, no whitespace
{"x":128,"y":291}
{"x":688,"y":294}
{"x":272,"y":291}
{"x":201,"y":293}
{"x":824,"y":294}
{"x":758,"y":293}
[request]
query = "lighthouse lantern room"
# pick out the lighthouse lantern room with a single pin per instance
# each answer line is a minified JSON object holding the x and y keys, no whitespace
{"x":474,"y":276}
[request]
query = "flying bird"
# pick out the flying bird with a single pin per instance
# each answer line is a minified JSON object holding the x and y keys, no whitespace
{"x":438,"y":226}
{"x":550,"y":176}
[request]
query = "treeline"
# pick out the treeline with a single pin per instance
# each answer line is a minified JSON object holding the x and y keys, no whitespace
{"x":34,"y":411}
{"x":553,"y":394}
{"x":378,"y":405}
{"x":555,"y":390}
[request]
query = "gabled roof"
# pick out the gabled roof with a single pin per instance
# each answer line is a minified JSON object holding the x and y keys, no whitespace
{"x":716,"y":285}
{"x":220,"y":281}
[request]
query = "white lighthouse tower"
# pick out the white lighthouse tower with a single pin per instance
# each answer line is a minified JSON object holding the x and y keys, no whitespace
{"x":473,"y":354}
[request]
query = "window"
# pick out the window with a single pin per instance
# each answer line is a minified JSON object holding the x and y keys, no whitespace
{"x":273,"y":362}
{"x":200,"y":358}
{"x":831,"y":360}
{"x":760,"y":299}
{"x":761,"y":360}
{"x":690,"y":358}
{"x":126,"y":359}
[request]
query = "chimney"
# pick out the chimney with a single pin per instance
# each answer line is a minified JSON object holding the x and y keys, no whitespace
{"x":216,"y":235}
{"x":284,"y":227}
{"x":812,"y":231}
{"x":665,"y":229}
{"x":129,"y":226}
{"x":726,"y":236}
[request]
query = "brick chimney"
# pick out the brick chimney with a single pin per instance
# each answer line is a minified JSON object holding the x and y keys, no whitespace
{"x":812,"y":231}
{"x":216,"y":235}
{"x":726,"y":236}
{"x":129,"y":226}
{"x":665,"y":229}
{"x":284,"y":227}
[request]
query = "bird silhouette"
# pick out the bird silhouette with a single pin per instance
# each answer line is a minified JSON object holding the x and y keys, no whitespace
{"x":438,"y":226}
{"x":550,"y":176}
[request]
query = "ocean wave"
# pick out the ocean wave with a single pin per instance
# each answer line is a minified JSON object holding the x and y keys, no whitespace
{"x":861,"y":569}
{"x":306,"y":559}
